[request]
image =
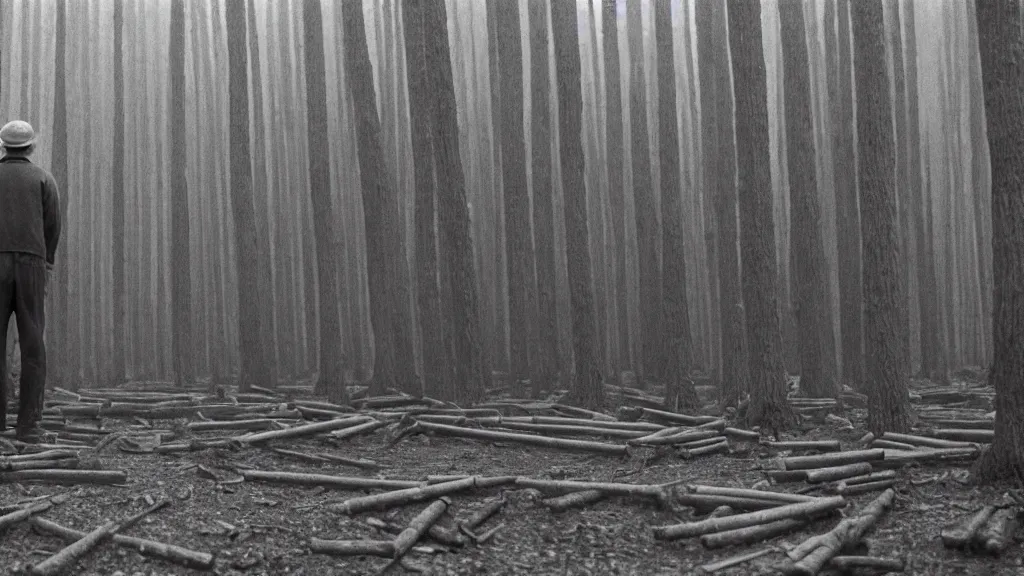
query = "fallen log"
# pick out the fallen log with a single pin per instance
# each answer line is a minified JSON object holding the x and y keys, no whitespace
{"x":785,"y":476}
{"x":713,"y":567}
{"x":689,"y":454}
{"x":678,"y":438}
{"x":965,"y":435}
{"x":26,"y":512}
{"x":336,"y":482}
{"x":382,"y":548}
{"x":924,"y":441}
{"x":582,"y":412}
{"x":997,"y":534}
{"x":782,"y":497}
{"x":704,"y":502}
{"x":818,"y":475}
{"x":358,"y":430}
{"x":874,"y":563}
{"x":751,"y":534}
{"x":712,"y":525}
{"x":169,"y":552}
{"x":750,"y":435}
{"x":892,"y":445}
{"x":961,"y":535}
{"x":327,"y":458}
{"x":611,"y":488}
{"x":821,"y":445}
{"x":62,"y":476}
{"x":66,"y":558}
{"x":251,"y":424}
{"x":574,"y":500}
{"x":964,"y":424}
{"x":810,"y":557}
{"x":852,"y":489}
{"x":65,"y":463}
{"x":832,"y":459}
{"x":898,"y":458}
{"x":494,"y":436}
{"x":565,"y":430}
{"x":196,"y":444}
{"x":614,"y":424}
{"x":419,"y":526}
{"x":412,"y":494}
{"x":676,"y":418}
{"x":480,"y":516}
{"x":705,"y":442}
{"x":304,"y":430}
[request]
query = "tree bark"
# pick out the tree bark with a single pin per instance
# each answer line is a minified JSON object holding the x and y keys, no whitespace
{"x":678,"y":344}
{"x":768,"y":405}
{"x":60,"y":325}
{"x":117,"y":204}
{"x":811,"y":306}
{"x":885,"y":306}
{"x":587,"y":389}
{"x":719,"y":151}
{"x":462,"y":326}
{"x":181,"y":281}
{"x":1001,"y":45}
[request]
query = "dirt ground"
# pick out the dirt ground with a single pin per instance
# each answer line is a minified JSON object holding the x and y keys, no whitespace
{"x":256,"y":528}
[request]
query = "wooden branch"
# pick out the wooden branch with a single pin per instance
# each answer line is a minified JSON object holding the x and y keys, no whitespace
{"x":821,"y":445}
{"x":735,"y":560}
{"x":251,"y":424}
{"x":782,"y":497}
{"x":818,"y":475}
{"x":679,"y":438}
{"x":924,"y":441}
{"x":412,"y":494}
{"x":751,"y":534}
{"x":494,"y":436}
{"x":382,"y":548}
{"x":62,"y":476}
{"x":854,"y":489}
{"x":892,"y":445}
{"x":610,"y":488}
{"x":364,"y":428}
{"x":961,"y":535}
{"x":691,"y":453}
{"x":703,"y":502}
{"x":337,"y":482}
{"x":480,"y":516}
{"x":152,"y":548}
{"x":662,"y":415}
{"x":574,"y":500}
{"x":833,"y":459}
{"x":705,"y":442}
{"x":26,"y":512}
{"x":898,"y":458}
{"x":304,"y":430}
{"x":64,"y":463}
{"x":327,"y":458}
{"x":796,"y":510}
{"x":964,"y":435}
{"x":419,"y":526}
{"x":564,"y":430}
{"x":750,"y":435}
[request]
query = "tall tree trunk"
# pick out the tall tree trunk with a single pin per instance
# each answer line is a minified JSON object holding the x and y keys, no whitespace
{"x":60,"y":325}
{"x":252,"y":356}
{"x":587,"y":389}
{"x":1001,"y":45}
{"x":499,"y":355}
{"x":547,"y":361}
{"x":768,"y":405}
{"x":428,"y":294}
{"x":899,"y":124}
{"x":646,"y":210}
{"x":462,"y":326}
{"x":117,"y":203}
{"x":616,"y":175}
{"x":811,"y":305}
{"x":885,"y":307}
{"x":719,"y":152}
{"x":331,"y":380}
{"x":518,"y":255}
{"x":393,"y":363}
{"x":181,"y":281}
{"x":680,"y":392}
{"x":848,"y":220}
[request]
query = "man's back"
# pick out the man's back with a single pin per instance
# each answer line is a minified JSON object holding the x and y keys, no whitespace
{"x":29,"y":209}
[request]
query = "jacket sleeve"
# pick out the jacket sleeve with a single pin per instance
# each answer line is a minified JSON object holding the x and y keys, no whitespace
{"x":51,"y":218}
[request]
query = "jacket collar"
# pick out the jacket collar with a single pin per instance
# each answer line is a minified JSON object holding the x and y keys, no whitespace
{"x":15,"y":159}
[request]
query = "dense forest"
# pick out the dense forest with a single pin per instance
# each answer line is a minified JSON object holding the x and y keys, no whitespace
{"x":443,"y":197}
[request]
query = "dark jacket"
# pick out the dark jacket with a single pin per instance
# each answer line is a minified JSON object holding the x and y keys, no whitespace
{"x":29,"y":209}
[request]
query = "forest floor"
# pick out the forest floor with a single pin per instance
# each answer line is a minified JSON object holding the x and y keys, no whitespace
{"x":256,"y":528}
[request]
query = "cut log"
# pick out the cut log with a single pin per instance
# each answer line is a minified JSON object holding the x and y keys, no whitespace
{"x":327,"y":458}
{"x":820,"y":445}
{"x":176,"y":554}
{"x":785,"y":476}
{"x":582,"y":412}
{"x":673,"y":417}
{"x":336,"y":482}
{"x":997,"y":534}
{"x":61,"y":476}
{"x":611,"y":488}
{"x":691,"y":453}
{"x":705,"y":502}
{"x":364,"y":428}
{"x":679,"y":438}
{"x":712,"y":525}
{"x":751,"y":534}
{"x":412,"y":494}
{"x":832,"y":459}
{"x":853,"y":489}
{"x":705,"y":442}
{"x":811,"y":556}
{"x":494,"y":436}
{"x":961,"y":535}
{"x":964,"y":424}
{"x":892,"y":445}
{"x":898,"y":458}
{"x":874,"y":563}
{"x":965,"y":435}
{"x":419,"y":526}
{"x":735,"y":560}
{"x":574,"y":500}
{"x":65,"y":559}
{"x":382,"y":548}
{"x":251,"y":424}
{"x":45,"y":455}
{"x":64,"y":463}
{"x":750,"y":435}
{"x":782,"y":497}
{"x":26,"y":512}
{"x":304,"y":430}
{"x":818,"y":475}
{"x":635,"y":426}
{"x":486,"y":511}
{"x":924,"y":441}
{"x":564,"y":430}
{"x":872,"y":477}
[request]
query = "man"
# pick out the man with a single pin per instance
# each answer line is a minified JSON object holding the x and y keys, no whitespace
{"x":30,"y":224}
